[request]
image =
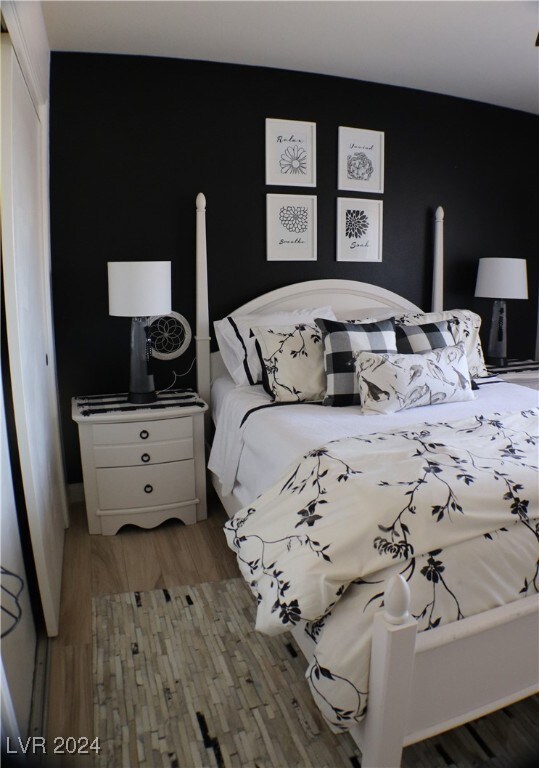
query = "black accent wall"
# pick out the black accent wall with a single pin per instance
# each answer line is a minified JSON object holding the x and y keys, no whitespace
{"x":134,"y":139}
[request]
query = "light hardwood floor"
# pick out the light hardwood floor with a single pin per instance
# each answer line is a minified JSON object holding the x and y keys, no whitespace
{"x":133,"y":560}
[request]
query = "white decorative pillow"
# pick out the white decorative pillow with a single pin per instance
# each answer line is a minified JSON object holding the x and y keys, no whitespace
{"x":292,"y":358}
{"x":394,"y":382}
{"x":465,"y":327}
{"x":236,"y":339}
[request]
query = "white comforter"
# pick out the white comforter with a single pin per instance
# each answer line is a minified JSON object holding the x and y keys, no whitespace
{"x":255,"y":441}
{"x":452,"y":506}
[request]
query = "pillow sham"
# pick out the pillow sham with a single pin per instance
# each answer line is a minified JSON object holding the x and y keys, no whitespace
{"x":465,"y":327}
{"x":341,"y":342}
{"x":422,"y":338}
{"x":237,"y":342}
{"x":396,"y":382}
{"x":292,"y":360}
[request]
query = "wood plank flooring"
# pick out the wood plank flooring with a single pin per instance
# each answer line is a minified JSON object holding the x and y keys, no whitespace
{"x":133,"y":560}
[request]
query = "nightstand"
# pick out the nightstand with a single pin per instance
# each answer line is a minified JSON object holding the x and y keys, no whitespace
{"x":142,"y":464}
{"x":524,"y":372}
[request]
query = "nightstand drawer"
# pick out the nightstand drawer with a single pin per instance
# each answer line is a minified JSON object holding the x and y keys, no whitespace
{"x":142,"y":432}
{"x":149,"y":486}
{"x":139,"y":455}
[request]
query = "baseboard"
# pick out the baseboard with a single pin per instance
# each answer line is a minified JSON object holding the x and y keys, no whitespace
{"x":40,"y":691}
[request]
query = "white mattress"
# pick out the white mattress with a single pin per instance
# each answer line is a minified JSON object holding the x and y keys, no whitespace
{"x":248,"y":458}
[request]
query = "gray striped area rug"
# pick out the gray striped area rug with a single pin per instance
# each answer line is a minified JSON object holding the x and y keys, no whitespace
{"x":182,"y":680}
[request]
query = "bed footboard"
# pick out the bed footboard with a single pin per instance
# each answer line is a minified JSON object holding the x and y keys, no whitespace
{"x":426,"y":684}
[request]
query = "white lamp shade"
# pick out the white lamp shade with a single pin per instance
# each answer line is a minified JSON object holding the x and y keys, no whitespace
{"x":139,"y":288}
{"x":502,"y":279}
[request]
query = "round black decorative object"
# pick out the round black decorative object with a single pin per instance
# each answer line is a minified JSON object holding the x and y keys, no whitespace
{"x":170,"y":335}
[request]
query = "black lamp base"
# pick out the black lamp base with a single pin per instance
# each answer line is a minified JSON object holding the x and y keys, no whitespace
{"x":497,"y":344}
{"x":141,"y":383}
{"x":497,"y":362}
{"x":140,"y":398}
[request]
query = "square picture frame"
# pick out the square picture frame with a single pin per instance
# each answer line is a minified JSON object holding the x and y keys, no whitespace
{"x":291,"y":227}
{"x":359,"y":229}
{"x":361,"y":160}
{"x":290,"y":153}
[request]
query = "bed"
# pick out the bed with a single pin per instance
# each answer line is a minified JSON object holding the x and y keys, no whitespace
{"x":279,"y":471}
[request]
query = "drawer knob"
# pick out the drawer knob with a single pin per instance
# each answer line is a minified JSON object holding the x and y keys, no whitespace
{"x":145,"y":434}
{"x":145,"y":457}
{"x":148,"y":488}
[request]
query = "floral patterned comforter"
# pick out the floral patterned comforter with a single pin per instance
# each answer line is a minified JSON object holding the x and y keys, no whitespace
{"x":453,"y":507}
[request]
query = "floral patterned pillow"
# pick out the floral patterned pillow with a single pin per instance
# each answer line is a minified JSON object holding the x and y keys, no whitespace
{"x":394,"y":382}
{"x":292,"y":359}
{"x":237,"y":343}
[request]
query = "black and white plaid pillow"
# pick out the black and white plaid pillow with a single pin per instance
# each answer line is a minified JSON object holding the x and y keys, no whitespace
{"x":413,"y":339}
{"x":342,"y":341}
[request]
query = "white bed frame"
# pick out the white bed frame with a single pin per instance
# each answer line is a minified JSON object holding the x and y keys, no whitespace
{"x":469,"y":660}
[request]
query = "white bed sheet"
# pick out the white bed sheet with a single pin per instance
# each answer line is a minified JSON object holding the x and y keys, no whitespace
{"x":249,"y":458}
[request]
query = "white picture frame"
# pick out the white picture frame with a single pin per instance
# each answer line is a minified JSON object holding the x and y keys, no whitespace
{"x":290,"y":153}
{"x":361,"y":160}
{"x":359,"y":229}
{"x":291,"y":228}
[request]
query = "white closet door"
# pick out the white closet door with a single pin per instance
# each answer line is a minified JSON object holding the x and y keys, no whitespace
{"x":17,"y":623}
{"x":26,"y":285}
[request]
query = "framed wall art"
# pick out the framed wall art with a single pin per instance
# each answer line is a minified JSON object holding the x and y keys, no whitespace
{"x":359,"y":229}
{"x":361,"y":160}
{"x":291,"y":227}
{"x":290,"y":153}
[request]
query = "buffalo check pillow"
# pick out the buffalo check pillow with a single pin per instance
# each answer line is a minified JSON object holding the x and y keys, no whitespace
{"x":342,"y":341}
{"x":465,"y":326}
{"x":412,"y":339}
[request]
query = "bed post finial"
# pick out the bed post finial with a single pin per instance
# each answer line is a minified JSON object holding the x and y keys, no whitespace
{"x":390,"y":678}
{"x":438,"y":266}
{"x":397,"y":600}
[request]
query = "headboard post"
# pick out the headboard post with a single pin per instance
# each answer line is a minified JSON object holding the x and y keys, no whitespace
{"x":438,"y":266}
{"x":202,"y":332}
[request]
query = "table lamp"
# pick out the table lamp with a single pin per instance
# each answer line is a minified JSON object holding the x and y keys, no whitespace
{"x":500,"y":279}
{"x":139,"y":289}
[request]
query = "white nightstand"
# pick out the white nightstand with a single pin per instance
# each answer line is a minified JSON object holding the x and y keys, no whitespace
{"x":142,"y":464}
{"x":524,"y":372}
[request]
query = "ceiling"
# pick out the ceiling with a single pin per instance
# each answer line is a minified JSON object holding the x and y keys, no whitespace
{"x":482,"y":50}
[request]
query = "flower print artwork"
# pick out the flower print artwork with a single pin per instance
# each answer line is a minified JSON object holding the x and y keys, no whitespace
{"x":290,"y":153}
{"x":291,"y":227}
{"x":294,"y":218}
{"x":359,"y":166}
{"x":359,"y":229}
{"x":294,"y":160}
{"x":361,"y":160}
{"x":357,"y":223}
